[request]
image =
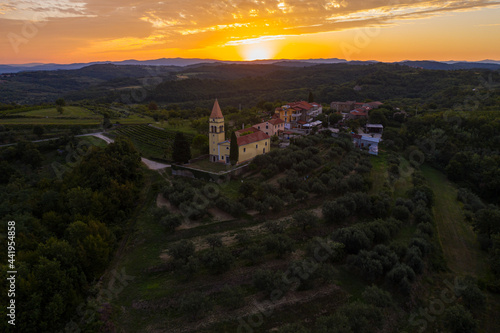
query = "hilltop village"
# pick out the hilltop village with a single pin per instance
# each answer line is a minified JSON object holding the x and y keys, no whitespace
{"x":292,"y":119}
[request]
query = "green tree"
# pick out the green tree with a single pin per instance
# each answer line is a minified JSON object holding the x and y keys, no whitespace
{"x":171,"y":221}
{"x":60,"y":102}
{"x":334,"y":118}
{"x":106,"y":123}
{"x":200,"y":142}
{"x":60,"y":109}
{"x":38,"y":130}
{"x":305,"y":219}
{"x":195,"y":305}
{"x":182,"y":250}
{"x":377,"y":117}
{"x":378,"y":297}
{"x":458,"y":320}
{"x":182,"y":150}
{"x":214,"y":241}
{"x":487,"y":221}
{"x":310,"y":98}
{"x":234,"y":152}
{"x":218,"y":260}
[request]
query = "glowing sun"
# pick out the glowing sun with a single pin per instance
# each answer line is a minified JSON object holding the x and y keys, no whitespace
{"x":257,"y":52}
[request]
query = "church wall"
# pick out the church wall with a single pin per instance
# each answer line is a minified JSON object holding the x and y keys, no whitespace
{"x":249,"y":151}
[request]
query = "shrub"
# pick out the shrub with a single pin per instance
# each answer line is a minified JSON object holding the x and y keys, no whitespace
{"x":458,"y":320}
{"x":362,"y":317}
{"x":370,"y":268}
{"x":422,"y":215}
{"x":182,"y":250}
{"x":232,"y":297}
{"x":401,"y":213}
{"x":422,"y":244}
{"x":172,"y":221}
{"x":353,"y":238}
{"x":269,"y":281}
{"x":414,"y":259}
{"x":301,"y":195}
{"x":195,"y":305}
{"x":274,"y":227}
{"x":305,"y":219}
{"x":214,"y":241}
{"x":280,"y":244}
{"x":253,"y":254}
{"x":319,"y":248}
{"x":425,"y":228}
{"x":218,"y":260}
{"x":401,"y":277}
{"x":334,"y":213}
{"x":293,"y":328}
{"x":472,"y":296}
{"x":377,"y":297}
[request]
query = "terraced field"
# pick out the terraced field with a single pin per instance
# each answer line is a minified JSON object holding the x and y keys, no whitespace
{"x":150,"y":141}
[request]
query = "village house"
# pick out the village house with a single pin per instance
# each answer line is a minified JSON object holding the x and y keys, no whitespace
{"x":374,"y":128}
{"x":251,"y":141}
{"x":353,"y":109}
{"x":272,"y":126}
{"x":296,"y":114}
{"x":366,"y":142}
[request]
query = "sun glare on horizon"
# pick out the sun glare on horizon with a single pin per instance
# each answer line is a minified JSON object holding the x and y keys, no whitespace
{"x":257,"y":52}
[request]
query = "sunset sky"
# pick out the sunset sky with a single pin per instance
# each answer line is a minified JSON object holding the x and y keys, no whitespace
{"x":67,"y":31}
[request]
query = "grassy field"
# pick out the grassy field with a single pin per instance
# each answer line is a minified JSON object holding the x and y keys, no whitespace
{"x":460,"y":247}
{"x":69,"y":111}
{"x":72,"y":115}
{"x":379,"y":172}
{"x":183,"y":126}
{"x":50,"y":121}
{"x":458,"y":240}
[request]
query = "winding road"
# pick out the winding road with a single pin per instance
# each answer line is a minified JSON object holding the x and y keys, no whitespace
{"x":152,"y":165}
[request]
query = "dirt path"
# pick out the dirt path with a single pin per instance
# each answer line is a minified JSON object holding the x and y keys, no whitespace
{"x":154,"y":165}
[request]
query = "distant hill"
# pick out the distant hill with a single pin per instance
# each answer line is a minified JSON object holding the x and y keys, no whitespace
{"x":181,"y":62}
{"x":451,"y":66}
{"x":247,"y":84}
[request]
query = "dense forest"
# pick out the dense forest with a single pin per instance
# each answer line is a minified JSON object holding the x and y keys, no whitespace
{"x":67,"y":227}
{"x":245,"y":85}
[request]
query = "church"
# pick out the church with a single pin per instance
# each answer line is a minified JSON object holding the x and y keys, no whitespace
{"x":251,"y":141}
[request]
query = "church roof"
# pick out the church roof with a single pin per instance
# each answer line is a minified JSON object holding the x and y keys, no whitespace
{"x":254,"y":136}
{"x":216,"y":112}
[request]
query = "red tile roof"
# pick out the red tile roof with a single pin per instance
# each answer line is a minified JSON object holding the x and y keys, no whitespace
{"x":359,"y":112}
{"x":216,"y":112}
{"x":256,"y":135}
{"x":301,"y":105}
{"x":276,"y":121}
{"x":302,"y":122}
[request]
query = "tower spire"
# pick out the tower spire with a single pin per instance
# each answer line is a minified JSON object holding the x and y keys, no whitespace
{"x":216,"y":112}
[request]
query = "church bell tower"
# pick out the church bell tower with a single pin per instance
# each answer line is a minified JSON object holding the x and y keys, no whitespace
{"x":216,"y":133}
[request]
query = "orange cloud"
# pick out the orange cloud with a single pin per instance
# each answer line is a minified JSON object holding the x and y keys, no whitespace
{"x":108,"y":27}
